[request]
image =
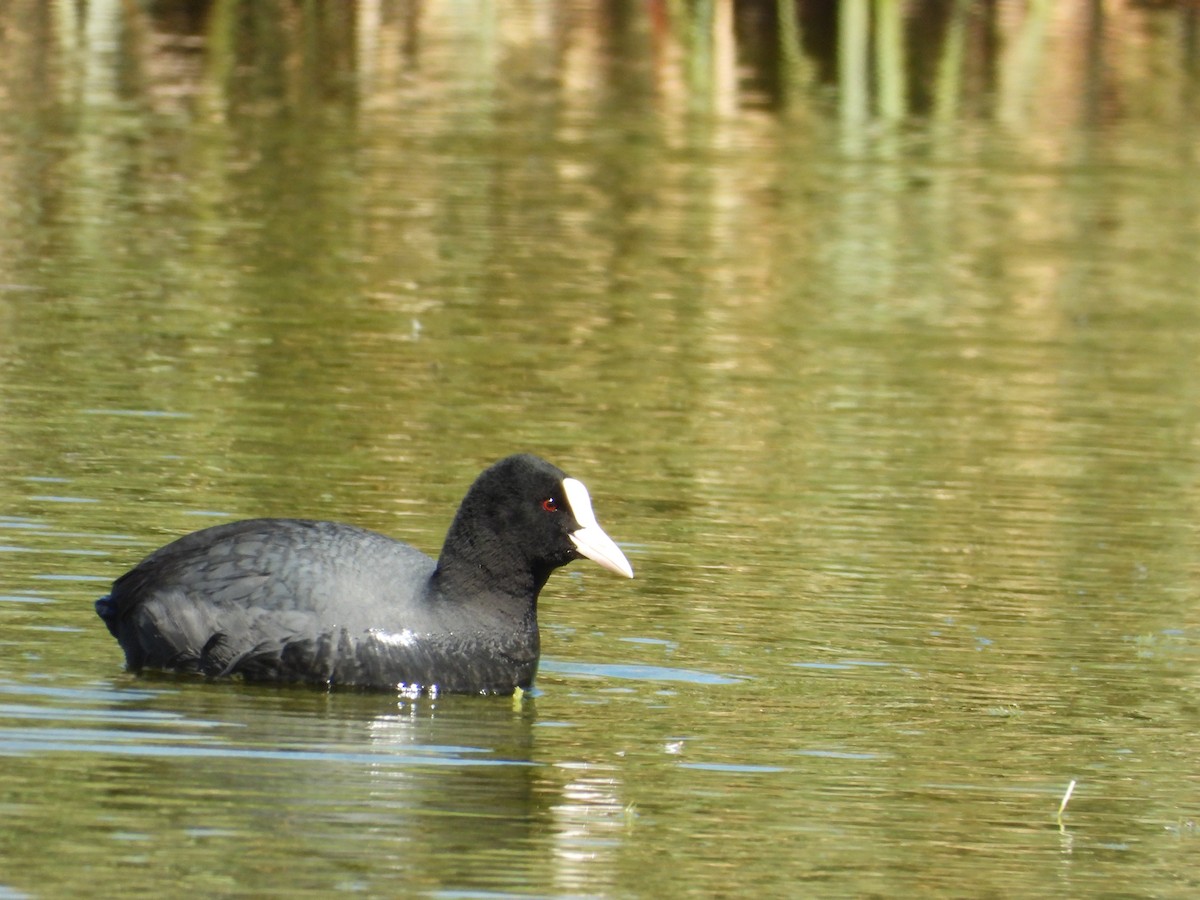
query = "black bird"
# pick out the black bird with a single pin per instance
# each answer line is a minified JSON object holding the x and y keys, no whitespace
{"x":293,"y":600}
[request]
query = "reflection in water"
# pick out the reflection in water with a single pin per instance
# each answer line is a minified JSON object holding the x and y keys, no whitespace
{"x":410,"y":786}
{"x":638,"y":672}
{"x":588,"y":820}
{"x":877,"y":322}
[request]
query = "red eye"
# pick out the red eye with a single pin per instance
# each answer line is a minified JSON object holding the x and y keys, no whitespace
{"x":550,"y":504}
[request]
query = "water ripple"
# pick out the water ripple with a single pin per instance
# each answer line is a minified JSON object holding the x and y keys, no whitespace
{"x":636,"y":672}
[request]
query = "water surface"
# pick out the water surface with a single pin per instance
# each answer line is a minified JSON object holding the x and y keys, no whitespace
{"x":875,"y":342}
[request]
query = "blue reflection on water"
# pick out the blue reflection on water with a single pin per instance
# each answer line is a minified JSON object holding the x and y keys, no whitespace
{"x":636,"y":672}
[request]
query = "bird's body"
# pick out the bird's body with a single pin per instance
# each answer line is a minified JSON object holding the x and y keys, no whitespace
{"x":293,"y":600}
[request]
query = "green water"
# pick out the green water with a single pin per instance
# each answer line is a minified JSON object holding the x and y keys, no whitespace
{"x":886,"y":378}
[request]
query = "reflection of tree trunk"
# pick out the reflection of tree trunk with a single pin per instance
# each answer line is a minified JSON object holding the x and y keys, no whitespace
{"x":854,"y":41}
{"x":891,"y":75}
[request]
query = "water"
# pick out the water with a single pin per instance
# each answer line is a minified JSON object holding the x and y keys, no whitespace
{"x":889,"y":395}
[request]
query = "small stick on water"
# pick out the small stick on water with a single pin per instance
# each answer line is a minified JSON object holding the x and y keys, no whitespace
{"x":1062,"y":807}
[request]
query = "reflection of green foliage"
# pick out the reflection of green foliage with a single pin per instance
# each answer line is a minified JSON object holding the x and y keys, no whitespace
{"x":1005,"y":712}
{"x":894,"y":349}
{"x":1170,"y":646}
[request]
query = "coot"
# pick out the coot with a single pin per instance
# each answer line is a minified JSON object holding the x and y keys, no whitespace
{"x":293,"y":600}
